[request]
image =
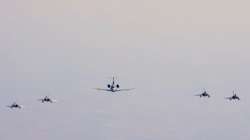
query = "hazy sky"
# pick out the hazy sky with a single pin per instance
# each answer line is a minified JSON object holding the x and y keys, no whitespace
{"x":167,"y":50}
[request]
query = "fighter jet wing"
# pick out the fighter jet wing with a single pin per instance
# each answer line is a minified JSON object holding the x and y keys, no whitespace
{"x":21,"y":106}
{"x":11,"y":107}
{"x":51,"y":100}
{"x":54,"y":101}
{"x":228,"y":98}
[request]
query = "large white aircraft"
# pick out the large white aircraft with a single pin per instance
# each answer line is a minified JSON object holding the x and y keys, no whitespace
{"x":113,"y":87}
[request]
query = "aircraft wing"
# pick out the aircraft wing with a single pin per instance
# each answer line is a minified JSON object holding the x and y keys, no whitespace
{"x":102,"y":89}
{"x":9,"y":106}
{"x":116,"y":90}
{"x":20,"y":106}
{"x":53,"y":101}
{"x":124,"y":89}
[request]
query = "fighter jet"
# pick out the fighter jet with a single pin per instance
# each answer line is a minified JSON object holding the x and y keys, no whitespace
{"x":47,"y":99}
{"x":113,"y":87}
{"x":15,"y":105}
{"x":234,"y":97}
{"x":203,"y":94}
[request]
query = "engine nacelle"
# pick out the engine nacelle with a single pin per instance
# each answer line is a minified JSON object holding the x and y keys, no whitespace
{"x":108,"y":85}
{"x":117,"y":86}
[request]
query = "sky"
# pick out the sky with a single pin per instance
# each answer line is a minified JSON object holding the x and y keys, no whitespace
{"x":167,"y":50}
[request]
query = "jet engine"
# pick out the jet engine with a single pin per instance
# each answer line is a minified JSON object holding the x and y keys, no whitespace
{"x":117,"y":86}
{"x":108,"y":85}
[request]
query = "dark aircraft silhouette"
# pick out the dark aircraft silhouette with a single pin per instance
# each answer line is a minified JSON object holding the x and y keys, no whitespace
{"x":234,"y":97}
{"x":47,"y":99}
{"x":14,"y":105}
{"x":113,"y":87}
{"x":203,"y":94}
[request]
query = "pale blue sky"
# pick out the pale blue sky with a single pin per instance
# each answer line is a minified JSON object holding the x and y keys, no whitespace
{"x":167,"y":50}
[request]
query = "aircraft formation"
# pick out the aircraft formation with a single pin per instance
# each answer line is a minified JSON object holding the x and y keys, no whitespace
{"x":205,"y":94}
{"x":46,"y":99}
{"x":113,"y":87}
